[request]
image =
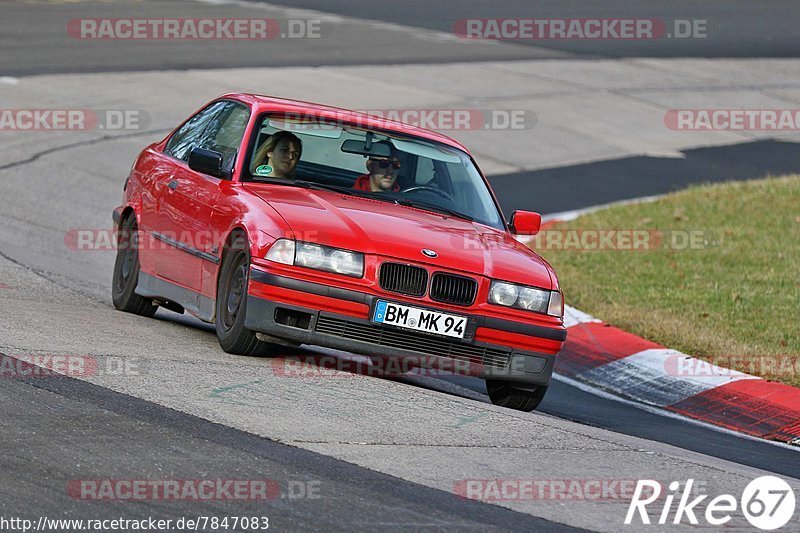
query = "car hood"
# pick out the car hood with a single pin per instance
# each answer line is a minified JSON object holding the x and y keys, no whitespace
{"x":391,"y":230}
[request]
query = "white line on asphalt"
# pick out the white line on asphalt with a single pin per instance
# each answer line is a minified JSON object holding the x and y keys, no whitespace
{"x":8,"y":80}
{"x":289,"y":12}
{"x":566,"y":216}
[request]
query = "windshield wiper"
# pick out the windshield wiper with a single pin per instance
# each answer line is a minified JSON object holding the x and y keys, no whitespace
{"x":302,"y":183}
{"x":364,"y":194}
{"x":432,"y":207}
{"x":346,"y":190}
{"x":320,"y":186}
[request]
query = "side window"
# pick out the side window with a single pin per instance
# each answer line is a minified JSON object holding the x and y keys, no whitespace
{"x":225,"y":132}
{"x":189,"y":135}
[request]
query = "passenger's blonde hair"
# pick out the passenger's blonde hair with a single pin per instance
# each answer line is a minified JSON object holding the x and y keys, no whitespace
{"x":260,"y":157}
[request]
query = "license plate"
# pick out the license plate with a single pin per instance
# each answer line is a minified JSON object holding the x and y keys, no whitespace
{"x":420,"y":319}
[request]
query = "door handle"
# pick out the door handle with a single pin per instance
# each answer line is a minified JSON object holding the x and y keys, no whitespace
{"x":173,"y":185}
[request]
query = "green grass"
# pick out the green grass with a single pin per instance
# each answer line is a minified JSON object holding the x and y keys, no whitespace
{"x":735,"y":301}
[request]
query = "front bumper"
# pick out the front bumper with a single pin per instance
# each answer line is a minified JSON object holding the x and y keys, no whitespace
{"x":300,"y":322}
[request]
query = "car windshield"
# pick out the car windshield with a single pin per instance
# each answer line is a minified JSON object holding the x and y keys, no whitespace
{"x":406,"y":170}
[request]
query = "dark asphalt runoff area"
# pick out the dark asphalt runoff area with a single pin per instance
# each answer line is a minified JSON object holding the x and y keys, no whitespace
{"x":603,"y":412}
{"x":554,"y":190}
{"x":65,"y":431}
{"x":569,"y":402}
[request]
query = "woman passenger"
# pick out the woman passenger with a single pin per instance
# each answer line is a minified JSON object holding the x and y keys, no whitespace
{"x":278,"y":156}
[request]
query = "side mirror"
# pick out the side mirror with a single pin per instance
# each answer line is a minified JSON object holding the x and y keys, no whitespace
{"x":207,"y":162}
{"x":525,"y":223}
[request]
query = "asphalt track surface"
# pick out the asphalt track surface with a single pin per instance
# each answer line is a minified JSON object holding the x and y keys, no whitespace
{"x":34,"y":41}
{"x":614,"y":180}
{"x":598,"y":411}
{"x":61,"y":425}
{"x":93,"y":426}
{"x":735,"y":28}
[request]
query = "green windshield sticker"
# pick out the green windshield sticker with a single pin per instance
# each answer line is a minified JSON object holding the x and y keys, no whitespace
{"x":263,"y":170}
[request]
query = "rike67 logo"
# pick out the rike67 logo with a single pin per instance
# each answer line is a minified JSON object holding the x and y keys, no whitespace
{"x":767,"y":503}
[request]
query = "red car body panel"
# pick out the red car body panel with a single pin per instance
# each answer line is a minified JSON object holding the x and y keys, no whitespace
{"x":186,"y":217}
{"x":339,"y":220}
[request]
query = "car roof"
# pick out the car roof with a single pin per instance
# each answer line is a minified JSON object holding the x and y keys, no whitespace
{"x":262,"y":104}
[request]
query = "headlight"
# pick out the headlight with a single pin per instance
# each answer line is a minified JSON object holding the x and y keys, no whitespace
{"x":310,"y":255}
{"x":282,"y":252}
{"x":318,"y":257}
{"x":556,"y":307}
{"x":503,"y":293}
{"x":527,"y":298}
{"x":347,"y":263}
{"x":533,"y":299}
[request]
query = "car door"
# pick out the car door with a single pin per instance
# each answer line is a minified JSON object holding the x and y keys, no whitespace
{"x":156,"y":177}
{"x":187,"y":201}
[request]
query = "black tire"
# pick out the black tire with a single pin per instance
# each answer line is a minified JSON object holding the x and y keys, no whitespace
{"x":231,"y":303}
{"x":514,"y":396}
{"x":126,"y":273}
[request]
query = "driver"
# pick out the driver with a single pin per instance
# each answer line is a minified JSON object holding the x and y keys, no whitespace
{"x":382,"y":176}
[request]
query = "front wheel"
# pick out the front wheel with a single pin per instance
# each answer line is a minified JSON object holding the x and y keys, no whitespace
{"x":232,"y":303}
{"x":126,"y":273}
{"x":515,"y":395}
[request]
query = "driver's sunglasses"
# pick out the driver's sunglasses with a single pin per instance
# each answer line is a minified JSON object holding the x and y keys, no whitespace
{"x":384,"y":163}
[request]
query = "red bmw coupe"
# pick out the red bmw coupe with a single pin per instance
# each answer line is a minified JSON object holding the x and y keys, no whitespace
{"x":282,"y":221}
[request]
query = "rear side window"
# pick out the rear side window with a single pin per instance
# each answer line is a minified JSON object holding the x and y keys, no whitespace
{"x":190,"y":134}
{"x":219,"y":127}
{"x":225,"y":132}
